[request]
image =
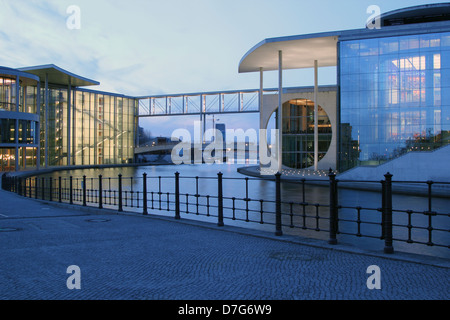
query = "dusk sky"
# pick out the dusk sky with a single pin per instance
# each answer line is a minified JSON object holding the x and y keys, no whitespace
{"x":146,"y":47}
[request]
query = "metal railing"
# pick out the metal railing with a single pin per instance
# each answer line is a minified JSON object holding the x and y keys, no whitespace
{"x":164,"y":194}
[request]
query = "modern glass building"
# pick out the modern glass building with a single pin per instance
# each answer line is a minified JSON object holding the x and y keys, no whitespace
{"x":48,"y":118}
{"x":392,"y":90}
{"x":19,"y":120}
{"x":394,"y":96}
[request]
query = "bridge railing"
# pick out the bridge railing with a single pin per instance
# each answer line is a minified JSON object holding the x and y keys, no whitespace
{"x":184,"y":196}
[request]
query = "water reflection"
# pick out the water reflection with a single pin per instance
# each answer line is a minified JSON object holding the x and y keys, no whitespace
{"x":161,"y":181}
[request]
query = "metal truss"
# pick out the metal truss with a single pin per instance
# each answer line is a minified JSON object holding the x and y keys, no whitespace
{"x":219,"y":102}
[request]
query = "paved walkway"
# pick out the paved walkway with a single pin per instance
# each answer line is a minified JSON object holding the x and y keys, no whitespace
{"x":129,"y":256}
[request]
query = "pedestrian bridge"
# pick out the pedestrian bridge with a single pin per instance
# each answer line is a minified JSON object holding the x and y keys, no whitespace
{"x":217,"y":102}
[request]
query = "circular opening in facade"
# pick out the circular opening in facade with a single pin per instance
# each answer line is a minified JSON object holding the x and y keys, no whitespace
{"x":298,"y":133}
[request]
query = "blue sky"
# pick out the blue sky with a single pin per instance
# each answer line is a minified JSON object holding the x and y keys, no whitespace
{"x":146,"y":47}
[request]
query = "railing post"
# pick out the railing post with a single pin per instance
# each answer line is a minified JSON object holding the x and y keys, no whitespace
{"x":220,"y":199}
{"x":19,"y":186}
{"x":100,"y":192}
{"x":388,"y":248}
{"x":84,"y":190}
{"x":144,"y":194}
{"x":430,"y":194}
{"x":278,"y":228}
{"x":383,"y":206}
{"x":50,"y":188}
{"x":120,"y":193}
{"x":333,"y":209}
{"x":430,"y":213}
{"x":71,"y":190}
{"x":43,"y":188}
{"x":60,"y":189}
{"x":36,"y":187}
{"x":177,"y":195}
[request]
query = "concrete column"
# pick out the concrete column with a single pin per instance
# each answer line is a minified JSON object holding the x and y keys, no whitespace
{"x":316,"y":116}
{"x":261,"y":94}
{"x":261,"y":88}
{"x":280,"y":110}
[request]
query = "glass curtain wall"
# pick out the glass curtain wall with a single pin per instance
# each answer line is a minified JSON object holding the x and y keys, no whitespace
{"x":7,"y":159}
{"x":7,"y":94}
{"x":394,"y":97}
{"x":17,"y":136}
{"x":27,"y":96}
{"x":56,"y":126}
{"x":103,"y":128}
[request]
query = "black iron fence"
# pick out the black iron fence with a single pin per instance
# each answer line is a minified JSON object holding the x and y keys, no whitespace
{"x":167,"y":194}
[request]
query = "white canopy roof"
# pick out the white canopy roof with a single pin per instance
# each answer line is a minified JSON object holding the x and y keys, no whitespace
{"x":298,"y":52}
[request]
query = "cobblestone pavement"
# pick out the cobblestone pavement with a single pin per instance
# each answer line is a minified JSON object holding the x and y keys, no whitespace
{"x":136,"y":257}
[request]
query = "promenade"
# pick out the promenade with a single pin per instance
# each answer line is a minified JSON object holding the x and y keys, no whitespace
{"x":130,"y":256}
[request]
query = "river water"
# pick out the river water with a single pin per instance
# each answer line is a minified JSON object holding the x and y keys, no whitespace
{"x":160,"y":181}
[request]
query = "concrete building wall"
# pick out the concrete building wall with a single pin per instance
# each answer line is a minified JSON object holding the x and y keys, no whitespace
{"x":327,"y":99}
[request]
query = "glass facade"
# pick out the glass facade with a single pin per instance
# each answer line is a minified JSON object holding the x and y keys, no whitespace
{"x":18,"y":130}
{"x":73,"y":126}
{"x":104,"y":128}
{"x":56,"y":126}
{"x":8,"y":94}
{"x":394,"y":97}
{"x":7,"y":159}
{"x":298,"y":133}
{"x":101,"y":130}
